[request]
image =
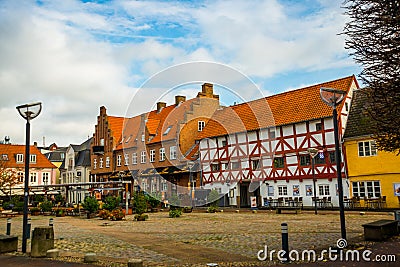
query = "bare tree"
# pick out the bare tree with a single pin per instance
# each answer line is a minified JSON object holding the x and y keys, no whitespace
{"x":373,"y":38}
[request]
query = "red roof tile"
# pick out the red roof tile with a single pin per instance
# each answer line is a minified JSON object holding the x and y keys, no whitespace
{"x":289,"y":107}
{"x":13,"y":150}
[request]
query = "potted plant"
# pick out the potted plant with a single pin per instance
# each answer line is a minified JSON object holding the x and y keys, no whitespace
{"x":154,"y":202}
{"x":60,"y":213}
{"x":117,"y":214}
{"x":104,"y":214}
{"x":175,"y":213}
{"x":140,"y":206}
{"x":213,"y":197}
{"x":111,"y":203}
{"x":46,"y":206}
{"x":35,"y":211}
{"x":91,"y":205}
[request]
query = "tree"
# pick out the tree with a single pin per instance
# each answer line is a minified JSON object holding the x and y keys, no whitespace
{"x":373,"y":37}
{"x":8,"y":177}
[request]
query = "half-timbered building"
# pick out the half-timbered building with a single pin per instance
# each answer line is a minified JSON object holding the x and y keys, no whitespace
{"x":260,"y":148}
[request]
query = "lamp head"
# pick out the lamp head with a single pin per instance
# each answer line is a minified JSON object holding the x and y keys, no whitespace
{"x":312,"y":151}
{"x":332,"y":97}
{"x":190,"y":164}
{"x":30,"y":111}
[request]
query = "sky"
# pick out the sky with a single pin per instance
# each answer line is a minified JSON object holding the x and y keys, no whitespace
{"x":76,"y":56}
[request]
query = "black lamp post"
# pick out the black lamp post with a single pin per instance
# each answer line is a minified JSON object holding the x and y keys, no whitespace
{"x":191,"y":182}
{"x":313,"y":152}
{"x":333,"y":98}
{"x":28,"y":112}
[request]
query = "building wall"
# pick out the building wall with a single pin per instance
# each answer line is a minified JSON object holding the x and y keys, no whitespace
{"x":384,"y":167}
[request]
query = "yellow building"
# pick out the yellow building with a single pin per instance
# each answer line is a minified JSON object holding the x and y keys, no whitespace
{"x":372,"y":174}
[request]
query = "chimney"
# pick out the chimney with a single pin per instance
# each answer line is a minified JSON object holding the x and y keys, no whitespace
{"x":160,"y":105}
{"x":207,"y":90}
{"x":179,"y":99}
{"x":35,"y":144}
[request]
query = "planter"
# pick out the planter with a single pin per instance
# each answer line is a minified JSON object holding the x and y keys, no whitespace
{"x":35,"y":213}
{"x":155,"y":209}
{"x":187,"y":209}
{"x":141,"y":217}
{"x":47,"y":213}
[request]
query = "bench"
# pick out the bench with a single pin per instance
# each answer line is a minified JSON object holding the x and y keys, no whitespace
{"x":280,"y":208}
{"x":380,"y":230}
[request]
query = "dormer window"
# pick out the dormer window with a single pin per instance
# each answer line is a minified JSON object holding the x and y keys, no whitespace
{"x":33,"y":158}
{"x":4,"y":157}
{"x":20,"y":158}
{"x":167,"y":130}
{"x":200,"y":125}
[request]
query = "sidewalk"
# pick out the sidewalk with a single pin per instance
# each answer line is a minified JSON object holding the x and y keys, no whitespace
{"x":13,"y":261}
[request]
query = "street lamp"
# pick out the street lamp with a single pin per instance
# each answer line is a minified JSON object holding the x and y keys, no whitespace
{"x":28,"y":112}
{"x":333,"y":97}
{"x":191,"y":182}
{"x":313,"y":152}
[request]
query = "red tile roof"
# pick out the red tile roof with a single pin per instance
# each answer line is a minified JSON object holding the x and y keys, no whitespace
{"x":115,"y":124}
{"x":13,"y":150}
{"x":289,"y":107}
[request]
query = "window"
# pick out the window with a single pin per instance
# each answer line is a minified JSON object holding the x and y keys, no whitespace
{"x":367,"y":148}
{"x":346,"y":106}
{"x":107,"y":162}
{"x":20,"y":158}
{"x":119,"y":160}
{"x":143,"y":137}
{"x":164,"y":187}
{"x":215,"y":167}
{"x":126,"y":159}
{"x":270,"y":191}
{"x":200,"y":125}
{"x":367,"y":189}
{"x":172,"y":152}
{"x":255,"y":164}
{"x":282,"y":190}
{"x":62,"y":156}
{"x":279,"y":162}
{"x":323,"y":190}
{"x":32,"y":158}
{"x":94,"y":163}
{"x":33,"y":177}
{"x":45,"y":178}
{"x":152,"y":155}
{"x":4,"y":157}
{"x":224,"y":143}
{"x":320,"y":158}
{"x":305,"y":160}
{"x":318,"y":127}
{"x":101,"y":163}
{"x":332,"y":157}
{"x":167,"y":130}
{"x":134,"y":158}
{"x":235,"y":165}
{"x":162,"y":154}
{"x":272,"y":134}
{"x":143,"y":157}
{"x":102,"y":141}
{"x":20,"y":177}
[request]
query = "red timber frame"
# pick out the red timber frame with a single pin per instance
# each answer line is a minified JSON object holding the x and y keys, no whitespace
{"x":263,"y":148}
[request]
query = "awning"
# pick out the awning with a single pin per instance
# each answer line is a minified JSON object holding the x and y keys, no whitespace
{"x":253,"y":186}
{"x":148,"y":172}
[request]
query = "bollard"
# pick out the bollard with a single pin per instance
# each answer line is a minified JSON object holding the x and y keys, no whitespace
{"x":8,"y":226}
{"x":285,"y":242}
{"x":28,"y":229}
{"x":51,"y":222}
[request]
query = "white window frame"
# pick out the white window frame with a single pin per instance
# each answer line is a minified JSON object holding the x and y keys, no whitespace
{"x":20,"y":158}
{"x":126,"y":159}
{"x":107,"y":162}
{"x":134,"y":158}
{"x":33,"y":177}
{"x":172,"y":152}
{"x":119,"y":158}
{"x":101,"y":163}
{"x":282,"y":190}
{"x":200,"y":125}
{"x":324,"y":190}
{"x":152,"y":155}
{"x":143,"y":157}
{"x":32,"y":158}
{"x":21,"y":176}
{"x":45,"y":178}
{"x":162,"y":154}
{"x":94,"y":164}
{"x":367,"y":188}
{"x":367,"y":148}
